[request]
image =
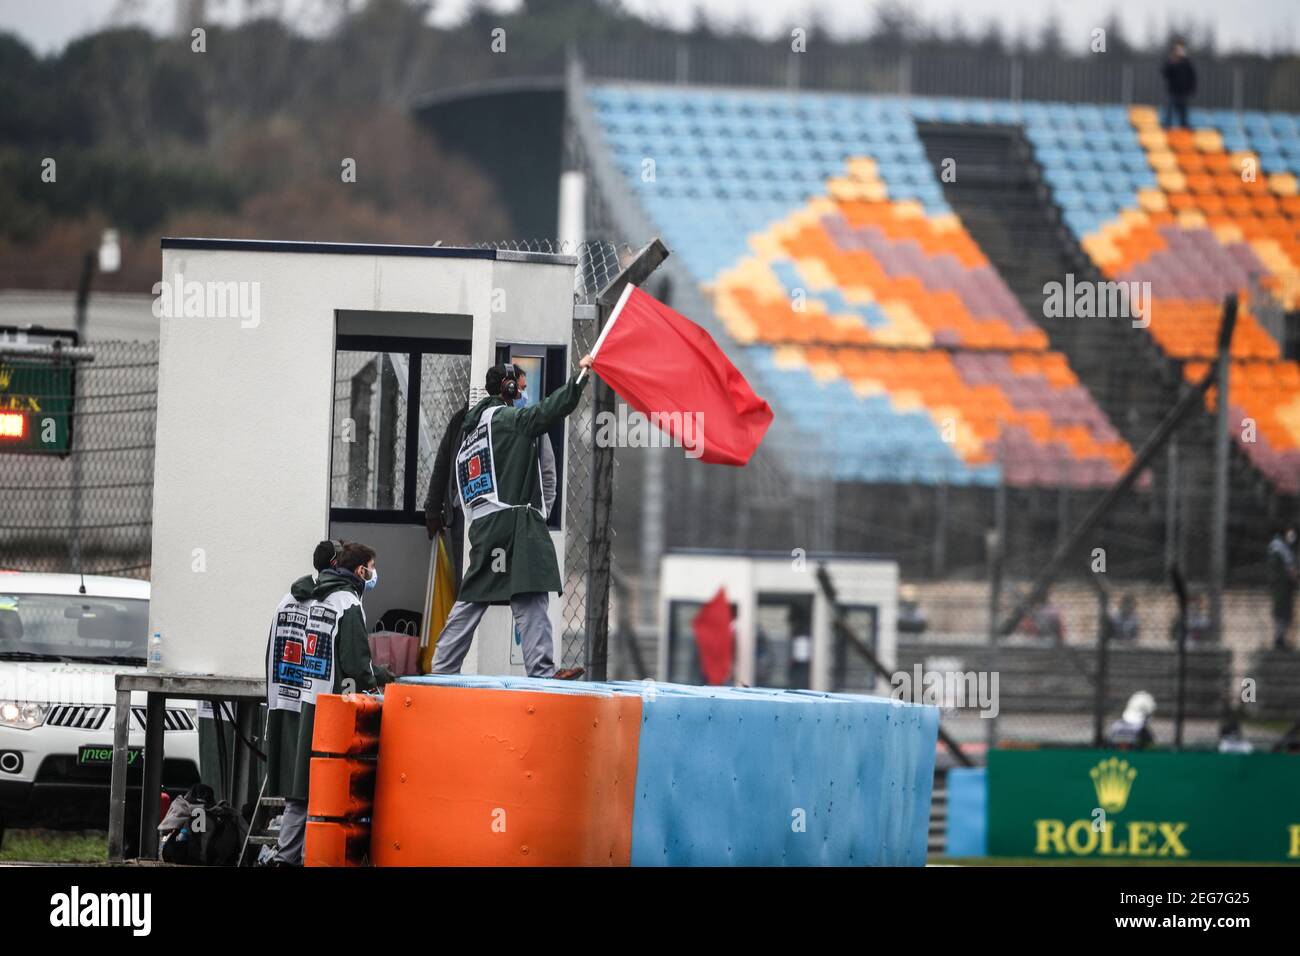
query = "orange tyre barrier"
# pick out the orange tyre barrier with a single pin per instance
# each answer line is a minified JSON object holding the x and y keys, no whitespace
{"x":346,"y":724}
{"x":341,"y":787}
{"x":474,"y":776}
{"x":332,"y":843}
{"x":340,"y":799}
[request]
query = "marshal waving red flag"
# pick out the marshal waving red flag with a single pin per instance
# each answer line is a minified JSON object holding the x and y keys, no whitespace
{"x":670,"y":370}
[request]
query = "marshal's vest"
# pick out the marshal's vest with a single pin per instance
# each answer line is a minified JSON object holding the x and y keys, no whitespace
{"x":476,"y":474}
{"x":302,"y":654}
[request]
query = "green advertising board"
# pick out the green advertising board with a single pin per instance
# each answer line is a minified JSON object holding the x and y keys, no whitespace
{"x":35,"y":406}
{"x":1161,"y":806}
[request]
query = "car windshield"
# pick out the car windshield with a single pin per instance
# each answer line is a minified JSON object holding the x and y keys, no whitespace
{"x":76,"y":626}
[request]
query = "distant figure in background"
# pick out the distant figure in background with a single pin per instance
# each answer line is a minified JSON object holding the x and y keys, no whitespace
{"x":1125,"y":625}
{"x":1133,"y":731}
{"x":1198,"y":620}
{"x":1044,"y":621}
{"x":1199,"y":624}
{"x":1231,"y":740}
{"x":1180,"y":85}
{"x":1282,"y":582}
{"x":911,"y":617}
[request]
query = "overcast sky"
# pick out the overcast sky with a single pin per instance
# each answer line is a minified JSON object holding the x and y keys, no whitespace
{"x":1262,"y":25}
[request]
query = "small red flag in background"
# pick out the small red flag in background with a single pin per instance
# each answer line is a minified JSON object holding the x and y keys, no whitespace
{"x":714,"y":639}
{"x":661,"y":362}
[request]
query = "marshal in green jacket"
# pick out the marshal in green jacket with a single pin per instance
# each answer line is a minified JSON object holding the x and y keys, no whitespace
{"x":289,"y":734}
{"x":510,"y":552}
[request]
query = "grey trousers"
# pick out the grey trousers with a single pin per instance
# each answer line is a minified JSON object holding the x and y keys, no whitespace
{"x":293,"y":832}
{"x":534,"y":626}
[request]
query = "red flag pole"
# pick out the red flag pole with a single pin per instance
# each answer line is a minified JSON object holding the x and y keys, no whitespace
{"x":613,"y":317}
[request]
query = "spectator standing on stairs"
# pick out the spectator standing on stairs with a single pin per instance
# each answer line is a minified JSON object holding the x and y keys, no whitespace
{"x":1180,"y":85}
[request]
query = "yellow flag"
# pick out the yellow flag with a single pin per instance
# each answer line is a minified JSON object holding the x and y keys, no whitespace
{"x":442,"y":594}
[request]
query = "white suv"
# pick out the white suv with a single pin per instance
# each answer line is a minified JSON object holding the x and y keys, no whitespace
{"x":59,"y":651}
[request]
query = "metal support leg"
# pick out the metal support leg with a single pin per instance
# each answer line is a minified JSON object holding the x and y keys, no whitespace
{"x":151,"y":787}
{"x":244,"y":711}
{"x":117,"y":785}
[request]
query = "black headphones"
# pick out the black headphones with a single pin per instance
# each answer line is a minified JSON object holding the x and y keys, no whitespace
{"x":510,"y":383}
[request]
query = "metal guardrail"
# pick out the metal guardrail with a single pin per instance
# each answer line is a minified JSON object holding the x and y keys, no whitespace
{"x":1115,"y":77}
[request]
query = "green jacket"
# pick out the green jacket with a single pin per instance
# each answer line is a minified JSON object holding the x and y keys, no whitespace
{"x":510,"y":552}
{"x":289,"y":733}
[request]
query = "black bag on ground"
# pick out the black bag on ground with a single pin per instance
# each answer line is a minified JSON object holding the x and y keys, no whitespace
{"x":200,"y":831}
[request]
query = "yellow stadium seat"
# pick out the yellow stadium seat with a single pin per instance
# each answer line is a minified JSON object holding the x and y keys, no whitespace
{"x":1284,"y":184}
{"x":1208,"y":140}
{"x":1144,"y":117}
{"x":1152,"y":200}
{"x":1162,"y":161}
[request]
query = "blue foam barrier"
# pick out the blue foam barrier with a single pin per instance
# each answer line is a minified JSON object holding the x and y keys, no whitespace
{"x":968,"y":796}
{"x":763,"y":777}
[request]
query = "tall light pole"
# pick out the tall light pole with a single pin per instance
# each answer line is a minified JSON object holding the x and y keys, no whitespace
{"x":108,"y":257}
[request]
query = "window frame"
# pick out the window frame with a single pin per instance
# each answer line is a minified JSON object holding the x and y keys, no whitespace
{"x":412,"y":510}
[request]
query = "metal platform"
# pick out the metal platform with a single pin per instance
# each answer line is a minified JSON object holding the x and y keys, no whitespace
{"x":244,"y":693}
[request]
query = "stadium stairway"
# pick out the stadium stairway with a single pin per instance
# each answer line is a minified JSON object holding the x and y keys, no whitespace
{"x":999,"y":193}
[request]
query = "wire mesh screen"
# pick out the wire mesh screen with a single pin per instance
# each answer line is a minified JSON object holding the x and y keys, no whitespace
{"x":91,"y":508}
{"x":444,"y":383}
{"x":367,"y":467}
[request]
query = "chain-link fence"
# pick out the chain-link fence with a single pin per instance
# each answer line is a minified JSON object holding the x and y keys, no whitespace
{"x":90,"y":509}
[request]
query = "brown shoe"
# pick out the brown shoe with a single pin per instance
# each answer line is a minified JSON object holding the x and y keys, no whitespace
{"x":570,"y":673}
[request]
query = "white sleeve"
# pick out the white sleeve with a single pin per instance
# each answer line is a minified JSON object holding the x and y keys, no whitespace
{"x":546,"y":457}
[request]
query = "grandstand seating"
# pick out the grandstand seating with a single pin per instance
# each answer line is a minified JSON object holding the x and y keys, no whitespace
{"x":1223,"y":209}
{"x":821,"y":230}
{"x":871,"y":315}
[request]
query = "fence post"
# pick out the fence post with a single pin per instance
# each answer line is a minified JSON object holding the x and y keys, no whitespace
{"x":1180,"y":687}
{"x":1126,"y":84}
{"x":683,"y":64}
{"x":995,"y":544}
{"x":83,"y":297}
{"x":905,"y":73}
{"x":1219,"y":530}
{"x":76,"y":436}
{"x":940,"y":556}
{"x":1171,"y":506}
{"x":1063,"y":502}
{"x":598,"y":543}
{"x":1103,"y":647}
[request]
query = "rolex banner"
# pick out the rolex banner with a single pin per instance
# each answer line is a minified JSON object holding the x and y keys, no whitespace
{"x":1159,"y":806}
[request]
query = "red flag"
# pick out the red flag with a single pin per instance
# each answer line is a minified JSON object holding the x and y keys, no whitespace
{"x":669,"y":369}
{"x":714,"y":639}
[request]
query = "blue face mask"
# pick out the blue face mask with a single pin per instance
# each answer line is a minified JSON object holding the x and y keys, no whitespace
{"x":373,"y":580}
